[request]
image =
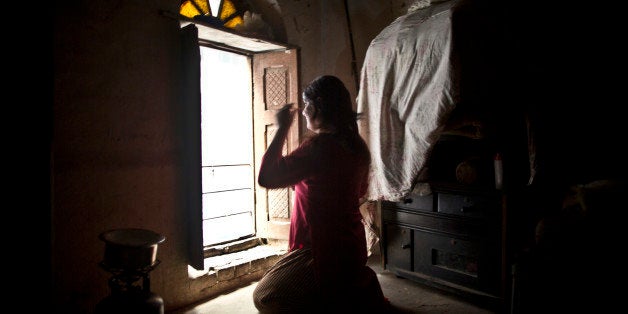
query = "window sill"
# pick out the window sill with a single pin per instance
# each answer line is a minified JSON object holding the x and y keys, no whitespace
{"x":216,"y":263}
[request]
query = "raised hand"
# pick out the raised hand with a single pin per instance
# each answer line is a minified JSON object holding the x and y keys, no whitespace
{"x":285,"y":115}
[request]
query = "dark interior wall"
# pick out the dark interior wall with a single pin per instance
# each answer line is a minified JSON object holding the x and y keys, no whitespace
{"x":566,"y":56}
{"x":566,"y":71}
{"x":114,"y":145}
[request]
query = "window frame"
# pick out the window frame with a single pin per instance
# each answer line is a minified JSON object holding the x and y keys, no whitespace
{"x":262,"y":53}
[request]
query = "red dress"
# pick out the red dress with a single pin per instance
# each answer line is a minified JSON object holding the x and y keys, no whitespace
{"x":329,"y":178}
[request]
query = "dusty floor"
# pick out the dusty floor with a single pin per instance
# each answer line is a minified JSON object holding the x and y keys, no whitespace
{"x":406,"y":295}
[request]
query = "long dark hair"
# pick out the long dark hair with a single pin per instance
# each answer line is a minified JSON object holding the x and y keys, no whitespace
{"x":332,"y":99}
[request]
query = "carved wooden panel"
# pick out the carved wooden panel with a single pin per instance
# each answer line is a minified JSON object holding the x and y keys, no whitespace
{"x":278,"y":199}
{"x":276,"y":87}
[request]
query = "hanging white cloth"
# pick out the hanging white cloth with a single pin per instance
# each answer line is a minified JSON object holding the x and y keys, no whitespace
{"x":408,"y":88}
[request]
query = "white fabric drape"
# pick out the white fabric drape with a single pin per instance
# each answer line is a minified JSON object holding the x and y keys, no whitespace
{"x":408,"y":88}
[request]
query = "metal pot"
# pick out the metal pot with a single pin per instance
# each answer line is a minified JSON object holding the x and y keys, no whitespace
{"x":130,"y":249}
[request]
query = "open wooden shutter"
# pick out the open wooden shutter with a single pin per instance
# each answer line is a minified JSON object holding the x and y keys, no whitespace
{"x":190,"y":127}
{"x":275,"y":83}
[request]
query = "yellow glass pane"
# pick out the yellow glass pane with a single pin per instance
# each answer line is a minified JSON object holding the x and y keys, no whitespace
{"x":204,"y":5}
{"x":190,"y":8}
{"x":227,"y":9}
{"x":232,"y":23}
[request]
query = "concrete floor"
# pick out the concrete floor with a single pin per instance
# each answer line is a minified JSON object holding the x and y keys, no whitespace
{"x":405,"y":295}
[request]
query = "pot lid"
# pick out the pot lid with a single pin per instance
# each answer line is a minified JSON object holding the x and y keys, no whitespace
{"x":132,"y":237}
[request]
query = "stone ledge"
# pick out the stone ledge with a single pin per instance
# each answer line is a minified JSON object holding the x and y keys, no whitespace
{"x":228,"y":266}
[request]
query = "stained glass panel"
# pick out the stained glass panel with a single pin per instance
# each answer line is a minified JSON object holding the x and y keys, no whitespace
{"x":225,"y":10}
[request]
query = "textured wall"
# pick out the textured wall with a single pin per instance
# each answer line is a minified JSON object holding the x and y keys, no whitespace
{"x":114,"y":145}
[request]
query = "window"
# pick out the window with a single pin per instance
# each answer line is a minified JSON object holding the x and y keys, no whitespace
{"x":228,"y":181}
{"x":224,"y":202}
